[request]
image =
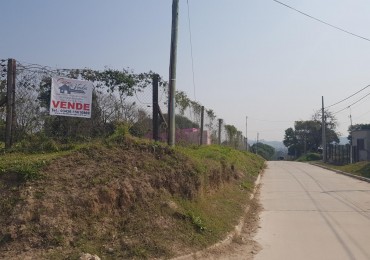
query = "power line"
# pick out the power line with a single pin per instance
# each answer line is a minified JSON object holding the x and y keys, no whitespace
{"x":351,"y":104}
{"x":348,"y":97}
{"x":191,"y":51}
{"x":321,"y":21}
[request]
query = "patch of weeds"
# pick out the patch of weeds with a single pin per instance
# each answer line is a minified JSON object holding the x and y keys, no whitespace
{"x":27,"y":166}
{"x":310,"y":157}
{"x":359,"y":168}
{"x":138,"y":251}
{"x":29,"y":171}
{"x":247,"y":185}
{"x":120,"y":134}
{"x":99,"y":180}
{"x":197,"y":222}
{"x":85,"y":244}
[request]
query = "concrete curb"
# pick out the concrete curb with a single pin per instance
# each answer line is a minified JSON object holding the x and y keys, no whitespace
{"x":343,"y":173}
{"x":237,"y":229}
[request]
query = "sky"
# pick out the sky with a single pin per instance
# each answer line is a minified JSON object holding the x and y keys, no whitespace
{"x":252,"y":58}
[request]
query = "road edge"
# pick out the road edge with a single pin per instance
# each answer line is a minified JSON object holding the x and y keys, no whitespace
{"x":236,"y":232}
{"x":342,"y":172}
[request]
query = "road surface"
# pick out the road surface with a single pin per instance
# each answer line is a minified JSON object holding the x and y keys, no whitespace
{"x":312,"y":213}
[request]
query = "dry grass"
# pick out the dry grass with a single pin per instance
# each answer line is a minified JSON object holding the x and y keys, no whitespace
{"x":125,"y":199}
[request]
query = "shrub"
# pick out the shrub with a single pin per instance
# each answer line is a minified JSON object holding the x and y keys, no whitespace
{"x":309,"y":157}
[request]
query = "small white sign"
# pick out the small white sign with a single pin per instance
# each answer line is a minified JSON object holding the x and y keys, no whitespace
{"x":71,"y":97}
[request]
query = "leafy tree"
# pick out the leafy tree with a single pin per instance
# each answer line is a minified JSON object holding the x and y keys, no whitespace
{"x":183,"y":122}
{"x":2,"y":91}
{"x":110,"y":107}
{"x":307,"y":135}
{"x":357,"y":127}
{"x":291,"y":142}
{"x":143,"y":124}
{"x":231,"y":132}
{"x":264,"y":150}
{"x":330,"y":120}
{"x":210,"y":124}
{"x":182,"y":101}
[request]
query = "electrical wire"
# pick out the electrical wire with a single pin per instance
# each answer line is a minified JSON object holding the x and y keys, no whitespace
{"x":348,"y":97}
{"x":321,"y":21}
{"x":191,"y":51}
{"x":351,"y":104}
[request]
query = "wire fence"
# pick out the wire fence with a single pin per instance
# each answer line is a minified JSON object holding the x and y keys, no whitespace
{"x":340,"y":154}
{"x":119,"y":97}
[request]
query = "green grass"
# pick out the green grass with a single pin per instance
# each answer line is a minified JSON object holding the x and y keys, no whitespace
{"x":360,"y":168}
{"x":309,"y":157}
{"x":226,"y":156}
{"x":28,"y":165}
{"x":213,"y":215}
{"x":149,"y":228}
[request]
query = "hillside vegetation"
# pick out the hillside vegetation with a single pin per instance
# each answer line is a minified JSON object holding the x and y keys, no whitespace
{"x":121,"y":198}
{"x":359,"y":168}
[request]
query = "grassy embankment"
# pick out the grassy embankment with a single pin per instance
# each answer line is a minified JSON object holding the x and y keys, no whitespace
{"x":360,"y":168}
{"x":121,"y":198}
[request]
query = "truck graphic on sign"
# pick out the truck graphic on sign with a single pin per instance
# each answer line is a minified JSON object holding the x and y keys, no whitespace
{"x":69,"y":90}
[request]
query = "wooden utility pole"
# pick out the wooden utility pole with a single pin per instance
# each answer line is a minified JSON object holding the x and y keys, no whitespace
{"x":323,"y":131}
{"x":201,"y":125}
{"x":10,"y":97}
{"x":246,"y":133}
{"x":172,"y":76}
{"x":350,"y":142}
{"x":219,"y":130}
{"x":155,"y":109}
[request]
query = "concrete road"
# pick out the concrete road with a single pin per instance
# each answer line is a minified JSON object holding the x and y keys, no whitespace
{"x":312,"y":213}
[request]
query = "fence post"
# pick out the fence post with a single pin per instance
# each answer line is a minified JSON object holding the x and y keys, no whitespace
{"x":10,"y":98}
{"x":219,"y":131}
{"x":201,"y":125}
{"x":155,"y":108}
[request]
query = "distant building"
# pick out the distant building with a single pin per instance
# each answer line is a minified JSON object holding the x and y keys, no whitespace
{"x":361,"y":145}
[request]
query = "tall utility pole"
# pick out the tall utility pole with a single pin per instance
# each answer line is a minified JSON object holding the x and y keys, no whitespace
{"x":246,"y":133}
{"x":219,"y":131}
{"x":323,"y":132}
{"x":350,"y":141}
{"x":172,"y":76}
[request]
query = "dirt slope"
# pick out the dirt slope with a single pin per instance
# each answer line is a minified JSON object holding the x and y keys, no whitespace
{"x":131,"y":200}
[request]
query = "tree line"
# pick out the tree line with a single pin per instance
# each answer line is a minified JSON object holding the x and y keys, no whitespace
{"x":112,"y":105}
{"x":306,"y":136}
